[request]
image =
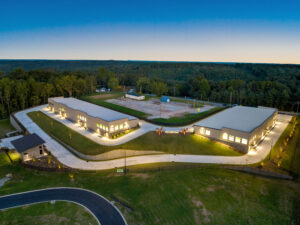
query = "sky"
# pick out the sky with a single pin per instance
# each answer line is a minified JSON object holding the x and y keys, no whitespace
{"x":265,"y":31}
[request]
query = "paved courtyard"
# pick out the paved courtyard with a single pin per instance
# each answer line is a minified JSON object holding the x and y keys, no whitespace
{"x":68,"y":159}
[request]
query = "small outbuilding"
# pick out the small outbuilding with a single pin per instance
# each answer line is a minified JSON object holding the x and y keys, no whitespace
{"x":30,"y":146}
{"x":165,"y":99}
{"x":135,"y":96}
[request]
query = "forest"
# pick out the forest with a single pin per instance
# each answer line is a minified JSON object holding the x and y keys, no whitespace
{"x":27,"y":83}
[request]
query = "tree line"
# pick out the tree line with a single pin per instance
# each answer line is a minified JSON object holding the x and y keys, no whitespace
{"x":20,"y":89}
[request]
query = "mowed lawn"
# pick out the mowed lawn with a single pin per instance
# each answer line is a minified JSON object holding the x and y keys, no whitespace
{"x":170,"y":143}
{"x":198,"y":195}
{"x":5,"y":127}
{"x":60,"y":213}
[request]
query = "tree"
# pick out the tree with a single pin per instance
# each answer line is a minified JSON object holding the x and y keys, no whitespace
{"x":198,"y":87}
{"x":159,"y":88}
{"x":113,"y":83}
{"x":143,"y":84}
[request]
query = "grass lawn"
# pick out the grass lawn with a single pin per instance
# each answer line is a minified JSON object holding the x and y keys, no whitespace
{"x":101,"y":101}
{"x":286,"y":153}
{"x":5,"y":127}
{"x":199,"y":195}
{"x":187,"y":118}
{"x":60,"y":213}
{"x":171,"y":143}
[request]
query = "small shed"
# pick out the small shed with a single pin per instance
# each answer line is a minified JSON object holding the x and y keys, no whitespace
{"x":135,"y":96}
{"x":165,"y":99}
{"x":30,"y":146}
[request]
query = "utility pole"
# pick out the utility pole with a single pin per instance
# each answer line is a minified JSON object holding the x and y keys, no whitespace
{"x":160,"y":110}
{"x":125,"y":162}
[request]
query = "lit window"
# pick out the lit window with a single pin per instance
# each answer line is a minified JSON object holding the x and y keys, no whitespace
{"x":121,"y":126}
{"x":201,"y":130}
{"x":207,"y":132}
{"x":125,"y":124}
{"x":116,"y":127}
{"x":111,"y":128}
{"x":225,"y":136}
{"x":106,"y":128}
{"x":244,"y":141}
{"x":238,"y":139}
{"x":231,"y":138}
{"x":101,"y":125}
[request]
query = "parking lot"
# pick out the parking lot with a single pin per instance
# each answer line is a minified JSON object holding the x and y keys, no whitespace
{"x":157,"y":109}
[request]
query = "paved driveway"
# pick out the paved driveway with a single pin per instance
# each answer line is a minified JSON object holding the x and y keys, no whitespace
{"x":102,"y":209}
{"x":68,"y":159}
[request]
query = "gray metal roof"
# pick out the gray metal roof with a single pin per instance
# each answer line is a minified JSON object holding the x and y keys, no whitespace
{"x":240,"y":118}
{"x":93,"y":110}
{"x":27,"y":142}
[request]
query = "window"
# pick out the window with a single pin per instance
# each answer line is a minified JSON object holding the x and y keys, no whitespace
{"x":125,"y":124}
{"x":116,"y":127}
{"x":41,"y":152}
{"x":121,"y":126}
{"x":238,"y":139}
{"x":111,"y":128}
{"x":225,"y":136}
{"x":231,"y":138}
{"x":244,"y":141}
{"x":201,"y":130}
{"x":207,"y":132}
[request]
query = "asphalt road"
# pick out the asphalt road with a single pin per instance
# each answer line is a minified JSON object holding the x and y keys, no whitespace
{"x":103,"y":210}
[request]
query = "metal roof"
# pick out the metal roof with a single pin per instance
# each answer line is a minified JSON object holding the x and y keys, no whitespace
{"x":27,"y":142}
{"x":240,"y":118}
{"x":92,"y":109}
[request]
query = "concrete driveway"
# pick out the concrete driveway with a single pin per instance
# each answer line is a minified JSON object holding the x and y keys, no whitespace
{"x":68,"y":159}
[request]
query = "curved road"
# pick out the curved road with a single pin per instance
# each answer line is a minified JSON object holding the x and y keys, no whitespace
{"x":102,"y":209}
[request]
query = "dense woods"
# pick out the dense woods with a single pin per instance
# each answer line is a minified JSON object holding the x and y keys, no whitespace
{"x":26,"y":83}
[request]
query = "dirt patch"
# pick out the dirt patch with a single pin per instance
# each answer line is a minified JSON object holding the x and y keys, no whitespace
{"x":203,"y":212}
{"x":210,"y":189}
{"x":141,"y":175}
{"x":102,"y":96}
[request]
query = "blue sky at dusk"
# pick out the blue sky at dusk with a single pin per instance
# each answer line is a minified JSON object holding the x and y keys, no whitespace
{"x":221,"y":31}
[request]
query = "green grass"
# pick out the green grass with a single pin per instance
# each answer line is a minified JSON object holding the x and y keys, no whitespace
{"x":5,"y":127}
{"x":288,"y":155}
{"x":193,"y":104}
{"x":204,"y":195}
{"x":47,"y":214}
{"x":291,"y":155}
{"x":118,"y":108}
{"x":171,"y":143}
{"x":187,"y":118}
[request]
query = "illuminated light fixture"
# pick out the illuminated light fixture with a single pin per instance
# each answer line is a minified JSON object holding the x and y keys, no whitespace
{"x":207,"y":132}
{"x":244,"y":141}
{"x":225,"y":136}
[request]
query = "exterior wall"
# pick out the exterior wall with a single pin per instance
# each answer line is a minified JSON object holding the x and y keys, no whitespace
{"x":216,"y":134}
{"x":33,"y":152}
{"x":252,"y":137}
{"x":103,"y":127}
{"x":260,"y":131}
